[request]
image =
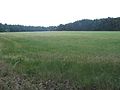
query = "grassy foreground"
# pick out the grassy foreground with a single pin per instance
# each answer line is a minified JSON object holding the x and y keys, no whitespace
{"x":60,"y":61}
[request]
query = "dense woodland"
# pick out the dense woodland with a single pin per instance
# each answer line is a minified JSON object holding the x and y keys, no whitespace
{"x":105,"y":24}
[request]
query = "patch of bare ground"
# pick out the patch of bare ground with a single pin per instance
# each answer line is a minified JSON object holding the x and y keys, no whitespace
{"x":9,"y":80}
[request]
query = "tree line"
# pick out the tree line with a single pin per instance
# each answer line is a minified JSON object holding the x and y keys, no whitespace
{"x":105,"y":24}
{"x":20,"y":28}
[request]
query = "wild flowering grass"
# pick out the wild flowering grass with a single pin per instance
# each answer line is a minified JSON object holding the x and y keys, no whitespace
{"x":77,"y":60}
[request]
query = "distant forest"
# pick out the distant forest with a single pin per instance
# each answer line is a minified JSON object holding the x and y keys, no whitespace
{"x":104,"y":24}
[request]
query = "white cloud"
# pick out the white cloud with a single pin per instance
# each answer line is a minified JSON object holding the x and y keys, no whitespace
{"x":54,"y":12}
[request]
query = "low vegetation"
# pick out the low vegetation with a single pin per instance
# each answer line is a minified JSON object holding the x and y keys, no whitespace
{"x":60,"y":61}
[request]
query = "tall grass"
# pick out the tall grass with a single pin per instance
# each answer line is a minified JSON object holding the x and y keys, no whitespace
{"x":87,"y":60}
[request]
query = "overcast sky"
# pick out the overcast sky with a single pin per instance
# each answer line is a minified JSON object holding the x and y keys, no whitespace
{"x":55,"y":12}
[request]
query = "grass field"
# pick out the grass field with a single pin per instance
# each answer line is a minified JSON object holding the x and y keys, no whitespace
{"x":60,"y":61}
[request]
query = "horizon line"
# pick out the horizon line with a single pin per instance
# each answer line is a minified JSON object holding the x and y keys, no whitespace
{"x":60,"y":23}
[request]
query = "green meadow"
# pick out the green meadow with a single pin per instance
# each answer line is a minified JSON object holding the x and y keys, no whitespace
{"x":65,"y":60}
